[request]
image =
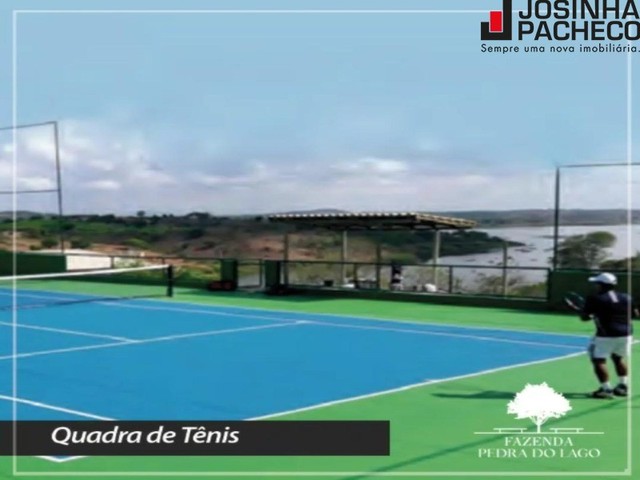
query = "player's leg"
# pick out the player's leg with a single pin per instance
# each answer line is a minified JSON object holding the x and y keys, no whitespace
{"x":618,"y":358}
{"x":600,"y":350}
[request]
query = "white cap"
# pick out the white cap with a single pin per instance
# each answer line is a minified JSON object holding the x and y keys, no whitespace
{"x":606,"y":278}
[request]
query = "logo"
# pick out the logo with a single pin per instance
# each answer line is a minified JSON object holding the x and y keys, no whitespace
{"x":565,"y":21}
{"x":540,"y":403}
{"x":499,"y":26}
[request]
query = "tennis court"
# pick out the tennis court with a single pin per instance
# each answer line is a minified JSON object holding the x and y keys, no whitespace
{"x":95,"y":348}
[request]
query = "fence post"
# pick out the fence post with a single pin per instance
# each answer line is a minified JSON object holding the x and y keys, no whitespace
{"x":505,"y":260}
{"x":343,"y":257}
{"x":260,"y":273}
{"x":436,"y":256}
{"x":378,"y":265}
{"x":285,"y":263}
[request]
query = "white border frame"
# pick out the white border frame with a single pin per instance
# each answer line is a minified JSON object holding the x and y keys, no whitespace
{"x":15,"y":472}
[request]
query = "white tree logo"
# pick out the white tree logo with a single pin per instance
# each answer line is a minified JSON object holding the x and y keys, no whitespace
{"x":538,"y":403}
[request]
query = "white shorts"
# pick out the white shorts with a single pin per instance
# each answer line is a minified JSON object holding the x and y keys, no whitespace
{"x":604,"y":347}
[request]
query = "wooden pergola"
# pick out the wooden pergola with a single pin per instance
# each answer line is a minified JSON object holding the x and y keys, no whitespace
{"x":371,"y":221}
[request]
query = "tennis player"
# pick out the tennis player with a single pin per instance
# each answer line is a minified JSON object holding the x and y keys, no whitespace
{"x":609,"y":310}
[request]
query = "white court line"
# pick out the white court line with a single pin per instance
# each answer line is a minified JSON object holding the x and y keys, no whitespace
{"x":444,"y":334}
{"x":55,"y":408}
{"x":325,"y":404}
{"x":65,"y":350}
{"x":68,"y":332}
{"x":362,"y":327}
{"x":215,"y":309}
{"x":421,"y":384}
{"x":167,"y":338}
{"x":333,"y":402}
{"x":291,"y":321}
{"x":417,"y":385}
{"x":61,"y":459}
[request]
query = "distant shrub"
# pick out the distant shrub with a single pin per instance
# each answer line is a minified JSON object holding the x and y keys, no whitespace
{"x":49,"y":242}
{"x":137,"y":243}
{"x":194,"y":233}
{"x":139,"y":223}
{"x":80,"y":243}
{"x":32,"y":232}
{"x":34,"y":247}
{"x":151,"y":236}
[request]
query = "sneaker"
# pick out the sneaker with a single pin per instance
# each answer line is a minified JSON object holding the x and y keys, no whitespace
{"x":621,"y":390}
{"x":602,"y":393}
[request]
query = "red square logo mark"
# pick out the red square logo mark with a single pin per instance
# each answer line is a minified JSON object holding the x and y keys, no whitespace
{"x":495,"y":22}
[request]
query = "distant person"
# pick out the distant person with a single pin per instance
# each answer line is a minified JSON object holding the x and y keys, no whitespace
{"x":609,"y":310}
{"x":396,"y":278}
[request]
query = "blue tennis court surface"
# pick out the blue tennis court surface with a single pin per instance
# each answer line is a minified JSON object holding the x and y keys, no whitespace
{"x":165,"y":360}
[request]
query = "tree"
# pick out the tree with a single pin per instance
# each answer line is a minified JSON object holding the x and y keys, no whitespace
{"x":538,"y":403}
{"x":622,"y":264}
{"x":493,"y":284}
{"x":195,"y":233}
{"x":80,"y":243}
{"x":141,"y":214}
{"x":49,"y":242}
{"x":585,"y":251}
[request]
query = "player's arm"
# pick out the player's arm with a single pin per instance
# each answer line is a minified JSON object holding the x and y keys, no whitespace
{"x":586,"y":313}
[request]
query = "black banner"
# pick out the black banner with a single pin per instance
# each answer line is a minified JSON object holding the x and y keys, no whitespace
{"x":236,"y":438}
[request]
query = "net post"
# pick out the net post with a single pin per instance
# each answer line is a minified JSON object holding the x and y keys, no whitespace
{"x":170,"y":280}
{"x":61,"y":233}
{"x":505,"y":272}
{"x":556,"y":222}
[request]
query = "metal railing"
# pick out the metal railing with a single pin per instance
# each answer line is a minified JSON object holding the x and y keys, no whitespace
{"x":494,"y":280}
{"x":250,"y":271}
{"x":250,"y":274}
{"x":509,"y":281}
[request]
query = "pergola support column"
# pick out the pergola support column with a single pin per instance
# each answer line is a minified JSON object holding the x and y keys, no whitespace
{"x":285,"y":255}
{"x":344,"y":256}
{"x":436,"y":255}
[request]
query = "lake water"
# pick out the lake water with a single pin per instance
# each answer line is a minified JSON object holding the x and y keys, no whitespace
{"x":538,"y":248}
{"x":539,"y":244}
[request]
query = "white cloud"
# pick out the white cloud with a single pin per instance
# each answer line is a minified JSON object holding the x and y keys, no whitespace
{"x":143,"y":175}
{"x":258,"y":173}
{"x":101,"y":165}
{"x":121,"y":170}
{"x":372,"y":166}
{"x":35,"y":183}
{"x":39,"y":143}
{"x":103,"y":185}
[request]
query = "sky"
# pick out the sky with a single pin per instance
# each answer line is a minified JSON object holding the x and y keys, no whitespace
{"x":244,"y":112}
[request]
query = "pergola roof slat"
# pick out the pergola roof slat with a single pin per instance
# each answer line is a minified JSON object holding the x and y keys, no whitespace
{"x":374,"y":221}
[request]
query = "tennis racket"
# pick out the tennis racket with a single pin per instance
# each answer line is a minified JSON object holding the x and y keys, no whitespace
{"x":574,"y":301}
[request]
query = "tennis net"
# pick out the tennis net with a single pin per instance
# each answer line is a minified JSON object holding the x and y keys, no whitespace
{"x":34,"y":291}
